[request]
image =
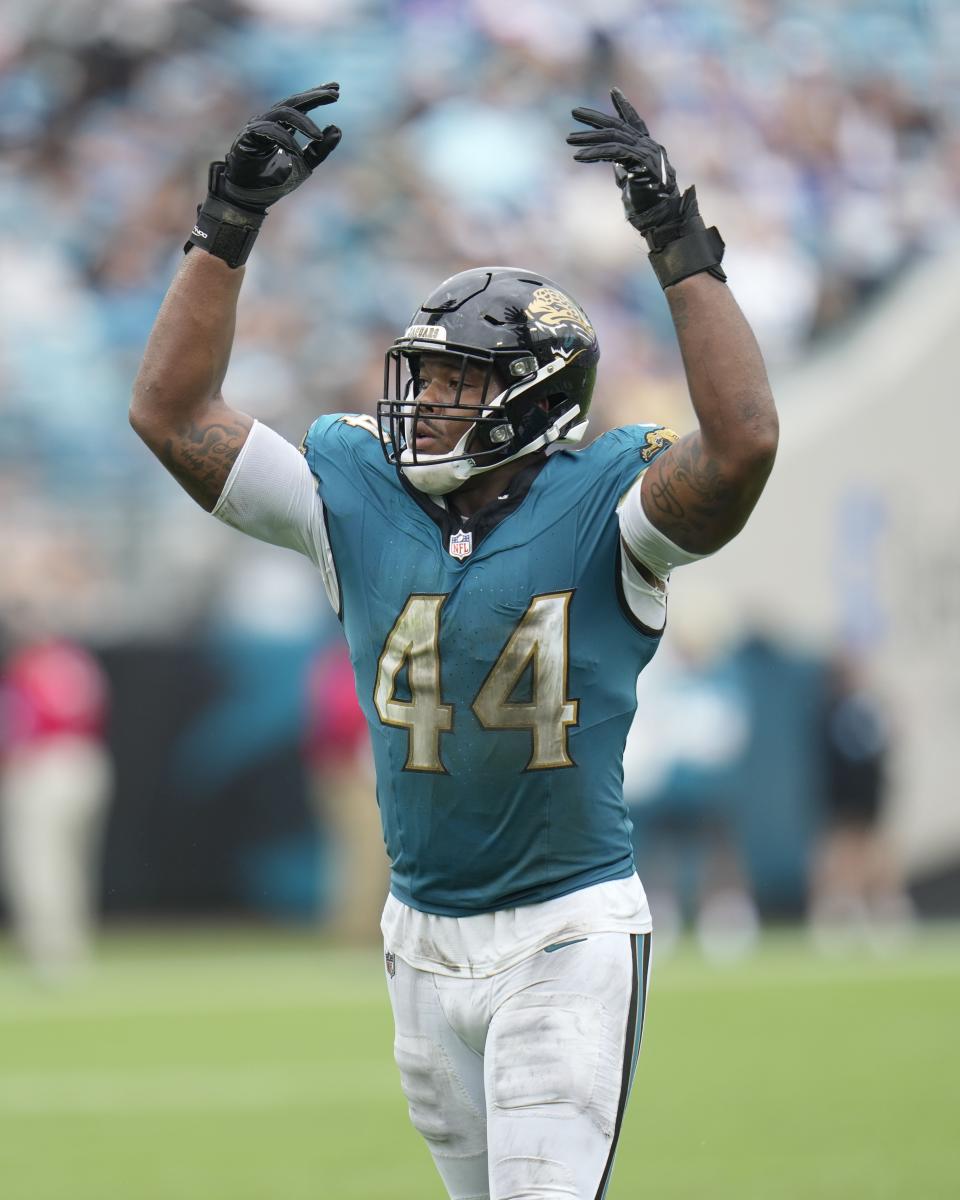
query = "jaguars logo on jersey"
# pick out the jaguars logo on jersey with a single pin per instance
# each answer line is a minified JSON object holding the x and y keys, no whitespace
{"x":657,"y":440}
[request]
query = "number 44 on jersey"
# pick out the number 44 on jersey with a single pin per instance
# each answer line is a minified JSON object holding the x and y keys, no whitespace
{"x":540,"y":641}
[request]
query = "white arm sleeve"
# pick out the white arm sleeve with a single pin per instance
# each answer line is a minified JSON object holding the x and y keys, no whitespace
{"x":648,"y":545}
{"x":272,"y":495}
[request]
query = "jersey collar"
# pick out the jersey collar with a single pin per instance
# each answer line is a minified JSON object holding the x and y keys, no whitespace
{"x":483,"y":522}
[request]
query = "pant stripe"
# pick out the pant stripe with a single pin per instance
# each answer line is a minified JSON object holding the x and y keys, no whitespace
{"x":631,"y":1048}
{"x":643,"y":980}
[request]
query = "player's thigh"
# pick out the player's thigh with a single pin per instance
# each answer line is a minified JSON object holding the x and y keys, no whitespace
{"x":560,"y":1056}
{"x":442,"y":1079}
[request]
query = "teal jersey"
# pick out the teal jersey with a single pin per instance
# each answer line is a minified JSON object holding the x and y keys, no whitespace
{"x":498,"y":678}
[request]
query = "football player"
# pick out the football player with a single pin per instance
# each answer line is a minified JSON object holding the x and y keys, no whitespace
{"x":500,"y":589}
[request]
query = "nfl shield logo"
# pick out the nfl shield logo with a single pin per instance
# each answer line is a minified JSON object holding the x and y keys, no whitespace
{"x":461,"y":544}
{"x":391,"y":961}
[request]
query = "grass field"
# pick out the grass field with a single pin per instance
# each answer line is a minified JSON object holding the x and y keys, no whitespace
{"x":257,"y":1066}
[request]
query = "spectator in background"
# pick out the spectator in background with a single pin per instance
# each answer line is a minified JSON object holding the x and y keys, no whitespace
{"x":55,"y":782}
{"x":340,"y":765}
{"x":689,"y":733}
{"x":857,"y":889}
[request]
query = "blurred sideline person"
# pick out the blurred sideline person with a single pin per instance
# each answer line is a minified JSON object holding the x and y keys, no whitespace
{"x":55,"y":784}
{"x":343,"y":794}
{"x":499,"y":602}
{"x":857,"y":891}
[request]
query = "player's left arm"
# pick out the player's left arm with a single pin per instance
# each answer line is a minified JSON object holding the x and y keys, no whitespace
{"x":699,"y":492}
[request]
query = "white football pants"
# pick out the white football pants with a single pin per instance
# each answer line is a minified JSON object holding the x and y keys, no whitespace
{"x":519,"y":1082}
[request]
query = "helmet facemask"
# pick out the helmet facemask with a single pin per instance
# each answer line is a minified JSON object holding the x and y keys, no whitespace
{"x":515,"y":416}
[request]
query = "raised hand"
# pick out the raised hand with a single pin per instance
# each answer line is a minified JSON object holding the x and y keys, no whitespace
{"x":266,"y":162}
{"x":642,"y":170}
{"x":671,"y":223}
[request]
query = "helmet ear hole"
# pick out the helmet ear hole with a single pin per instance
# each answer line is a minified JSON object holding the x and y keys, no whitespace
{"x":520,"y":368}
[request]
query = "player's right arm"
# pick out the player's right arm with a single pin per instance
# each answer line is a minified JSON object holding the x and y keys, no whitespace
{"x":178,"y":408}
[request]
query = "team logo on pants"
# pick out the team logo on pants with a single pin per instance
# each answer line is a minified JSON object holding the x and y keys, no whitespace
{"x":391,"y":960}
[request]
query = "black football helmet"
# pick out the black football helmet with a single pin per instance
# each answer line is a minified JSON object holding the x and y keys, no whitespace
{"x":539,"y":354}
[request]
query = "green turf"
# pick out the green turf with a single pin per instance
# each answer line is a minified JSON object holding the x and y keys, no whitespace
{"x":257,"y":1067}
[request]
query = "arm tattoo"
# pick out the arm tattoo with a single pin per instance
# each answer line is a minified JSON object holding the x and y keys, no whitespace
{"x":688,"y":497}
{"x":201,"y":454}
{"x":700,"y":492}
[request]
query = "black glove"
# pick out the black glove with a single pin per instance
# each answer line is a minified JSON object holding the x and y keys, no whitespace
{"x":264,"y":164}
{"x":670,"y":223}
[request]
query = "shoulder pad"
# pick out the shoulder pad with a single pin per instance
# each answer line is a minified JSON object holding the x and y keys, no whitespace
{"x":622,"y":455}
{"x":338,"y":433}
{"x":647,"y":440}
{"x":344,"y":453}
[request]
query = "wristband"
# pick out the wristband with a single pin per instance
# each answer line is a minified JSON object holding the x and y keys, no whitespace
{"x":679,"y":243}
{"x":696,"y":251}
{"x":224,"y":229}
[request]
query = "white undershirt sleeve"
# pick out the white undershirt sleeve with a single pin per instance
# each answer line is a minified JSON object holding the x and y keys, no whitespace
{"x":657,"y":553}
{"x":272,"y":495}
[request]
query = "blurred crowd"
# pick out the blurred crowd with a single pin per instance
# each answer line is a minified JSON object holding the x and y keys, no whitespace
{"x":822,"y":138}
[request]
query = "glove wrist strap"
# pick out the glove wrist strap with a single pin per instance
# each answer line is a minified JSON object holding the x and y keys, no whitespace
{"x":225,"y":231}
{"x":694,"y":251}
{"x":679,"y":244}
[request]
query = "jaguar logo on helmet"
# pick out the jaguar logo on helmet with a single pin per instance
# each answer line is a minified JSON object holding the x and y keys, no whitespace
{"x":550,"y":308}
